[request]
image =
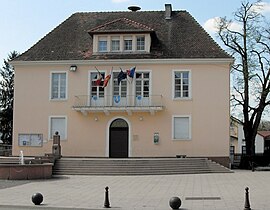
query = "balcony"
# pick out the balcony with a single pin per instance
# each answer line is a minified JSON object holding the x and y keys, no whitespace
{"x":107,"y":104}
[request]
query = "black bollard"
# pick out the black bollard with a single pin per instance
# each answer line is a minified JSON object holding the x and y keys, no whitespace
{"x":37,"y":198}
{"x":107,"y":202}
{"x":252,"y":167}
{"x":175,"y":203}
{"x":247,"y":205}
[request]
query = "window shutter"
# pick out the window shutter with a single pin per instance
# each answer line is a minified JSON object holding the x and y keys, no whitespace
{"x":181,"y":128}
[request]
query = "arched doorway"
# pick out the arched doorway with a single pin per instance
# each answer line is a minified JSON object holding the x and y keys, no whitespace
{"x":118,"y":139}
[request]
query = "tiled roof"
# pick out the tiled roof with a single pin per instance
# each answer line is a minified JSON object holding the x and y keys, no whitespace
{"x":264,"y":133}
{"x":179,"y":37}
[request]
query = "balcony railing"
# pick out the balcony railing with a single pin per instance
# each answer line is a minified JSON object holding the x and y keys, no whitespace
{"x":116,"y":103}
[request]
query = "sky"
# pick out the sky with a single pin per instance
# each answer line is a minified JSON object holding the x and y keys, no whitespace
{"x":24,"y":22}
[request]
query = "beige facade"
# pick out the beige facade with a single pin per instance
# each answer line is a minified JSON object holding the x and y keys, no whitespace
{"x":175,"y":103}
{"x":88,"y":132}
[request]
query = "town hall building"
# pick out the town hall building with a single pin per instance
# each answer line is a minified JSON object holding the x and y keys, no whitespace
{"x":123,"y":85}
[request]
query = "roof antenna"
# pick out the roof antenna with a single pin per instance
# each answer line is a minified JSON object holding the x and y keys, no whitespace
{"x":134,"y":8}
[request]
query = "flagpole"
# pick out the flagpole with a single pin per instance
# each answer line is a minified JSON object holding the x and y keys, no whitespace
{"x":126,"y":77}
{"x":97,"y":69}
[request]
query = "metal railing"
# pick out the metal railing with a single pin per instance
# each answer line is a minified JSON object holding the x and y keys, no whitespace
{"x":84,"y":101}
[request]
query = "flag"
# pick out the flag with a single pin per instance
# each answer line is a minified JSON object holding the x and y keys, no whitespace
{"x":121,"y":76}
{"x":106,"y":80}
{"x":131,"y":72}
{"x":99,"y":79}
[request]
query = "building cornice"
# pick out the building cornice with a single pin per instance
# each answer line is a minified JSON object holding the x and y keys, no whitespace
{"x":127,"y":61}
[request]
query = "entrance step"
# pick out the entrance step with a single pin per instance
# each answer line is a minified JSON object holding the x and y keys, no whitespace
{"x":136,"y":166}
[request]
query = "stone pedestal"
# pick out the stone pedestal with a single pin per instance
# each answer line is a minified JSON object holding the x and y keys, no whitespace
{"x":56,"y":148}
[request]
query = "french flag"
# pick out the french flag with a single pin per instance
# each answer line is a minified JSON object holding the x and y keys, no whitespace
{"x":131,"y":72}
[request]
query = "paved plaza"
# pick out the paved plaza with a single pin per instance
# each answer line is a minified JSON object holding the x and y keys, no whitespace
{"x":224,"y":191}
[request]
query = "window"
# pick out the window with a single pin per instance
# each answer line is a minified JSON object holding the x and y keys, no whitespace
{"x":142,"y":84}
{"x":127,"y":43}
{"x":115,"y":46}
{"x":58,"y":124}
{"x":114,"y":43}
{"x":181,"y":127}
{"x":244,"y":150}
{"x":120,"y":89}
{"x":102,"y":44}
{"x":181,"y":84}
{"x":97,"y":89}
{"x":140,"y":43}
{"x":232,"y":150}
{"x":58,"y":86}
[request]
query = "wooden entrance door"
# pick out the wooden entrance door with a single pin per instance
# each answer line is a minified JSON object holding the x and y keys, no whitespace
{"x":118,"y":139}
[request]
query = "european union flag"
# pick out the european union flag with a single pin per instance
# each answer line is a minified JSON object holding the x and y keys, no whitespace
{"x":121,"y":76}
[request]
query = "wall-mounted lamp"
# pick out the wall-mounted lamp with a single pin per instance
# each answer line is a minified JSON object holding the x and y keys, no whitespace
{"x":141,"y":118}
{"x":96,"y":119}
{"x":73,"y":68}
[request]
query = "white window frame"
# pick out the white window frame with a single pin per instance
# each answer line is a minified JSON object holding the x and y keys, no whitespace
{"x":189,"y":84}
{"x":102,"y":39}
{"x":189,"y":132}
{"x":137,"y":42}
{"x":115,"y":38}
{"x":128,"y":38}
{"x":150,"y":81}
{"x":90,"y":81}
{"x":121,"y":38}
{"x":50,"y":134}
{"x":66,"y":90}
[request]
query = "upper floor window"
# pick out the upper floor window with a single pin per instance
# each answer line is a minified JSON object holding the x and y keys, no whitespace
{"x":128,"y":43}
{"x":115,"y":43}
{"x":142,"y":84}
{"x":59,"y":85}
{"x":140,"y":43}
{"x":181,"y":84}
{"x":97,"y":89}
{"x":102,"y":44}
{"x":121,"y":88}
{"x":121,"y":43}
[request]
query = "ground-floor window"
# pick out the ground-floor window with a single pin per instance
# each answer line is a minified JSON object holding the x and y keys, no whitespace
{"x":181,"y":127}
{"x":244,"y":150}
{"x":59,"y":124}
{"x":232,"y":150}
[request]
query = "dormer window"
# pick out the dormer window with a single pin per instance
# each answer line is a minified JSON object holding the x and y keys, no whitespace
{"x":102,"y":44}
{"x":140,"y":43}
{"x":127,"y":43}
{"x":115,"y":44}
{"x":121,"y":36}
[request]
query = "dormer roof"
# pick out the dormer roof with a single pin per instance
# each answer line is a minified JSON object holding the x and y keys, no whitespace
{"x":121,"y":25}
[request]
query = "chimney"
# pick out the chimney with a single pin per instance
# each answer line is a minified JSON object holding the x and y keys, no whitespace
{"x":168,"y":11}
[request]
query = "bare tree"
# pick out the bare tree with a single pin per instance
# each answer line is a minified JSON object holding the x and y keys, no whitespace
{"x":249,"y":44}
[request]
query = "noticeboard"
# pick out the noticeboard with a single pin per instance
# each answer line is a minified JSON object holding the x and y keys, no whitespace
{"x":32,"y":140}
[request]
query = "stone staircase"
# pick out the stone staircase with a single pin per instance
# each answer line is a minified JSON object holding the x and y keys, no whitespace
{"x":136,"y":166}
